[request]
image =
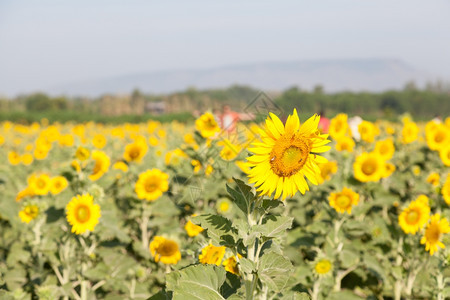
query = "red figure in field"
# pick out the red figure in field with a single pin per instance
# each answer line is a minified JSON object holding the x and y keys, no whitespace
{"x":228,"y":119}
{"x":324,"y":122}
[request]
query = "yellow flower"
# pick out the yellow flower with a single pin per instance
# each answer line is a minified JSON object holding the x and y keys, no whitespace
{"x":135,"y":151}
{"x":82,"y":213}
{"x":223,"y":206}
{"x":446,"y":190}
{"x":326,"y":170}
{"x":165,"y":250}
{"x":101,"y":165}
{"x":416,"y":170}
{"x":82,"y":153}
{"x":120,"y":165}
{"x":75,"y":165}
{"x":410,"y":132}
{"x":174,"y":157}
{"x":58,"y":184}
{"x":388,"y":170}
{"x":437,"y":136}
{"x":27,"y":192}
{"x":368,"y":131}
{"x":99,"y":141}
{"x":2,"y":140}
{"x":323,"y":267}
{"x":207,"y":125}
{"x":434,"y":179}
{"x":14,"y":158}
{"x":344,"y":201}
{"x":244,"y":166}
{"x":153,"y":141}
{"x":208,"y":170}
{"x":369,"y":167}
{"x":229,"y":151}
{"x":385,"y":149}
{"x":66,"y":140}
{"x":192,"y":229}
{"x":433,"y":233}
{"x":27,"y":159}
{"x":212,"y":255}
{"x":444,"y":154}
{"x":151,"y":184}
{"x":415,"y":216}
{"x":197,"y":165}
{"x":39,"y":184}
{"x":339,"y":126}
{"x":28,"y":213}
{"x":345,"y":143}
{"x":231,"y":265}
{"x":41,"y":152}
{"x":286,"y":155}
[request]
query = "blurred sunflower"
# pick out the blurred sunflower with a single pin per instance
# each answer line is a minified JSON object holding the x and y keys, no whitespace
{"x":446,"y":190}
{"x":230,"y":265}
{"x":192,"y":229}
{"x":326,"y":170}
{"x":151,"y":184}
{"x":344,"y":200}
{"x":434,"y":179}
{"x":120,"y":165}
{"x":165,"y":250}
{"x":101,"y":165}
{"x":207,"y":125}
{"x":212,"y":255}
{"x":368,"y":131}
{"x":39,"y":184}
{"x":29,"y":213}
{"x":339,"y":127}
{"x":135,"y":151}
{"x":389,"y":168}
{"x":410,"y":132}
{"x":433,"y":233}
{"x":82,"y":153}
{"x":27,"y":192}
{"x":82,"y":213}
{"x":229,"y":150}
{"x":99,"y":141}
{"x":385,"y":149}
{"x":224,"y":206}
{"x":14,"y":158}
{"x":286,"y":155}
{"x":444,"y":154}
{"x":415,"y":216}
{"x":437,"y":136}
{"x":26,"y":159}
{"x":369,"y":167}
{"x":345,"y":143}
{"x":58,"y":184}
{"x":323,"y":267}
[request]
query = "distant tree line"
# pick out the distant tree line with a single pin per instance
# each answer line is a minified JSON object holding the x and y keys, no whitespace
{"x":425,"y":103}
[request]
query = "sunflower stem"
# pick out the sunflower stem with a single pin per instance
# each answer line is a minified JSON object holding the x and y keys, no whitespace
{"x":144,"y":227}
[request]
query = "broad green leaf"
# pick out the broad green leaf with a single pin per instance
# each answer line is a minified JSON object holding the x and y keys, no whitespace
{"x":242,"y":196}
{"x":296,"y":296}
{"x":273,"y":226}
{"x":197,"y":282}
{"x":347,"y":295}
{"x":274,"y":270}
{"x":160,"y":296}
{"x":246,"y":265}
{"x":219,"y":229}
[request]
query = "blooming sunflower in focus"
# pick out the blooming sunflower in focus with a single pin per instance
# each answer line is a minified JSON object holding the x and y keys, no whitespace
{"x":212,"y":255}
{"x":82,"y":213}
{"x":344,"y":201}
{"x":385,"y":149}
{"x":207,"y":125}
{"x":433,"y":233}
{"x":286,"y":154}
{"x":29,"y":213}
{"x":101,"y":165}
{"x":369,"y":167}
{"x":415,"y":216}
{"x":165,"y":250}
{"x":151,"y":184}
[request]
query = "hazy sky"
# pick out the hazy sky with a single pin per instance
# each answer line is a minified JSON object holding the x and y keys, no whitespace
{"x":44,"y":43}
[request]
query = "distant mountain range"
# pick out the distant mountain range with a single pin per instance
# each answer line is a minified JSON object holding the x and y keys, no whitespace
{"x":333,"y":75}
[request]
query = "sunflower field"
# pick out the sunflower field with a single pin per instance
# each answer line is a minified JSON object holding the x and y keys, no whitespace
{"x":277,"y":210}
